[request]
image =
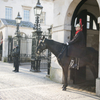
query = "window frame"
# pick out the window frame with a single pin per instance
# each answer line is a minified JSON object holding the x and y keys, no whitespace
{"x":7,"y":16}
{"x":43,"y":17}
{"x":26,"y":18}
{"x":92,"y":18}
{"x":27,"y":8}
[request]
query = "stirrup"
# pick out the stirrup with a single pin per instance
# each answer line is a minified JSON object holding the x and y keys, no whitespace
{"x":71,"y":63}
{"x":75,"y":67}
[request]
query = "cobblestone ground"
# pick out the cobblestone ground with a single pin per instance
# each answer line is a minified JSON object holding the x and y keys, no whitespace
{"x":27,"y":85}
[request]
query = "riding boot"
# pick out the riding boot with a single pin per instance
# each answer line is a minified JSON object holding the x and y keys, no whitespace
{"x":75,"y":64}
{"x":72,"y":62}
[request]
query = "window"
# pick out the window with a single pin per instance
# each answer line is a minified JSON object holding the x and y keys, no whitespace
{"x":8,"y":13}
{"x":26,"y":15}
{"x":43,"y":18}
{"x":92,"y":22}
{"x":88,"y":21}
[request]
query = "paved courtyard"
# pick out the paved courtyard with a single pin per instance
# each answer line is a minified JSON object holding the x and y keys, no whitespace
{"x":27,"y":85}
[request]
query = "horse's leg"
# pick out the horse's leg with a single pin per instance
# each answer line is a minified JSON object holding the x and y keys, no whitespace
{"x":65,"y":74}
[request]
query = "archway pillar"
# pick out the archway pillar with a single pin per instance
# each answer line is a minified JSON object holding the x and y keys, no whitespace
{"x":98,"y":79}
{"x":61,"y":34}
{"x":5,"y":44}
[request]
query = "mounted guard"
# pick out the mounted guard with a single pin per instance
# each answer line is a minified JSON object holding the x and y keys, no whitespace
{"x":88,"y":57}
{"x":76,"y":46}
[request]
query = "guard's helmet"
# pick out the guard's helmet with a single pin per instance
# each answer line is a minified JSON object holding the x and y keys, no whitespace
{"x":77,"y":25}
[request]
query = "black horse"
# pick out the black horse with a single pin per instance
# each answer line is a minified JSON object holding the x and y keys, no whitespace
{"x":89,"y":57}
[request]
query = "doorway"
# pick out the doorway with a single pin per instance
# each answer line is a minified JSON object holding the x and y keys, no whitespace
{"x":91,"y":32}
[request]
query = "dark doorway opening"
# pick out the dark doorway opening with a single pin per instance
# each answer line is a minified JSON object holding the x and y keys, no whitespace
{"x":90,"y":30}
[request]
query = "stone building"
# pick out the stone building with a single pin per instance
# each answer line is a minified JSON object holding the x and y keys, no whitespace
{"x":9,"y":11}
{"x":63,"y":15}
{"x":66,"y":14}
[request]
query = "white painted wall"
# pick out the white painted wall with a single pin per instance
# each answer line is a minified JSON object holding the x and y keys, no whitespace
{"x":5,"y":43}
{"x":19,"y":6}
{"x":10,"y":31}
{"x":63,"y":12}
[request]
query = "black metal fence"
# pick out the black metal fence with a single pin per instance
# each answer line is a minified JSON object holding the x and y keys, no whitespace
{"x":28,"y":55}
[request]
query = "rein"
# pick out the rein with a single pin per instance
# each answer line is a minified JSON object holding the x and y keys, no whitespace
{"x":62,"y":50}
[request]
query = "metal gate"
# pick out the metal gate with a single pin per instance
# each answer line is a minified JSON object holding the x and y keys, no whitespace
{"x":42,"y":61}
{"x":28,"y":47}
{"x":10,"y":47}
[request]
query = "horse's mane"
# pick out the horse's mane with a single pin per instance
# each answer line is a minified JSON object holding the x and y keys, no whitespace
{"x":54,"y":46}
{"x":53,"y":42}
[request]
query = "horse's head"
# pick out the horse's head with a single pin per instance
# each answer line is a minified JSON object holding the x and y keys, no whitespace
{"x":41,"y":46}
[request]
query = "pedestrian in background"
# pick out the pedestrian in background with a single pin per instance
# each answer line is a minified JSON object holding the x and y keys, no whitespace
{"x":15,"y":55}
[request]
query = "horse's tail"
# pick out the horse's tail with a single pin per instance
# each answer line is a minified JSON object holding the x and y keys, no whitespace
{"x":92,"y":50}
{"x":94,"y":55}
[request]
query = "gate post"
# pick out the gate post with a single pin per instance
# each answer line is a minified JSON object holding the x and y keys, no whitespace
{"x":38,"y":65}
{"x":49,"y":53}
{"x":35,"y":60}
{"x":10,"y":44}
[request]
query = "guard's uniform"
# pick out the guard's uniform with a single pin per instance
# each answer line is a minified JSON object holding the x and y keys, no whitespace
{"x":15,"y":54}
{"x":76,"y":45}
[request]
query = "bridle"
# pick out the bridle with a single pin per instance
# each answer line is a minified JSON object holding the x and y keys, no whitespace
{"x":41,"y":42}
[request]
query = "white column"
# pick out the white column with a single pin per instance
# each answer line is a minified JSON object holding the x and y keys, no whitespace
{"x":61,"y":34}
{"x":99,"y":49}
{"x":99,"y":55}
{"x":98,"y":79}
{"x":5,"y":44}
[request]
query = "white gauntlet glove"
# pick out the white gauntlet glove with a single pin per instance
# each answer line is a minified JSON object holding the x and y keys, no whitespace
{"x":67,"y":43}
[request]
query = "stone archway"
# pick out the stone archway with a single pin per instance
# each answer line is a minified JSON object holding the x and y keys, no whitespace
{"x":74,"y":9}
{"x":67,"y":22}
{"x":62,"y":28}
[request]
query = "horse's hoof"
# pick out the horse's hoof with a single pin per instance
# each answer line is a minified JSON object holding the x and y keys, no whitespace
{"x":64,"y":89}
